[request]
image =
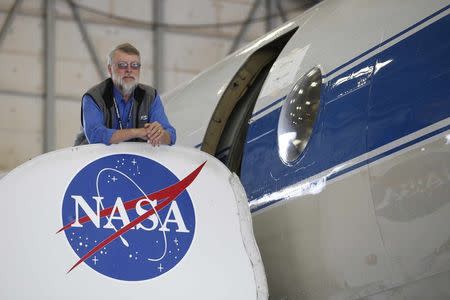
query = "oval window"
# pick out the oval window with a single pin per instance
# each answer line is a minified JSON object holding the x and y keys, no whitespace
{"x":298,"y":114}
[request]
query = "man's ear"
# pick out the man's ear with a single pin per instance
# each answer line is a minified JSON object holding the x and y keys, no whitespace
{"x":109,"y":70}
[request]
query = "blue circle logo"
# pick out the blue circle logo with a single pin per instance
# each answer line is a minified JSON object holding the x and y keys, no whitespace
{"x":128,"y":217}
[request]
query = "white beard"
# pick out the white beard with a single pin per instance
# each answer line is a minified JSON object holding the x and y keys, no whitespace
{"x":125,"y":88}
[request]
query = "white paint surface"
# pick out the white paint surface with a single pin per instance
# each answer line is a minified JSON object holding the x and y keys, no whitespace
{"x":223,"y":261}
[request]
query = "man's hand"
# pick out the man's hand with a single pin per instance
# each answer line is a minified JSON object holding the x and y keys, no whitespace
{"x":156,"y":135}
{"x":153,"y":133}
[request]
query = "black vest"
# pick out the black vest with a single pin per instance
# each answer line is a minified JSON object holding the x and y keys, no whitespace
{"x":102,"y":94}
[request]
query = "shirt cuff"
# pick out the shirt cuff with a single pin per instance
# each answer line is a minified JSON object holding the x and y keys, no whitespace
{"x":108,"y":135}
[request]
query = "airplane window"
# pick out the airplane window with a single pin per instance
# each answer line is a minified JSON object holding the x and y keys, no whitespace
{"x":298,"y":114}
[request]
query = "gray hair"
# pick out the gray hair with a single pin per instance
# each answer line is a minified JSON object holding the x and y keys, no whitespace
{"x":126,"y":47}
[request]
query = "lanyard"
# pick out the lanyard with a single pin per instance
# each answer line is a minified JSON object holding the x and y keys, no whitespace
{"x":119,"y":119}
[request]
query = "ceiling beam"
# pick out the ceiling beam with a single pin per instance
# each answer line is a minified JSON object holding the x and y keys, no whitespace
{"x":99,"y":67}
{"x":49,"y":74}
{"x":9,"y":19}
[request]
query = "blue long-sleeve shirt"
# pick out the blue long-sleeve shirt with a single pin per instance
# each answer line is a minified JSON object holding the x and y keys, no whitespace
{"x":94,"y":123}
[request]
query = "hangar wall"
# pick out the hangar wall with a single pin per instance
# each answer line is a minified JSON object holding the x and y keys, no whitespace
{"x":186,"y":52}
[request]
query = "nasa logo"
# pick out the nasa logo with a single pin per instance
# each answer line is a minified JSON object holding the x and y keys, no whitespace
{"x":128,"y":217}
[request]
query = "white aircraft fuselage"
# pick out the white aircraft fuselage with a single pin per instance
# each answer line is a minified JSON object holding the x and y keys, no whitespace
{"x":353,"y":202}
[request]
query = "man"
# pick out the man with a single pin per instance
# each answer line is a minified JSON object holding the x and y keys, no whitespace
{"x":120,"y":109}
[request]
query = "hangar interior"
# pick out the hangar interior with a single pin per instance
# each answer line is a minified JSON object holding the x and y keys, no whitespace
{"x":52,"y":51}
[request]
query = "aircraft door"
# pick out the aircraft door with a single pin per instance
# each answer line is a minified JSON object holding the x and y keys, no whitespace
{"x":226,"y":134}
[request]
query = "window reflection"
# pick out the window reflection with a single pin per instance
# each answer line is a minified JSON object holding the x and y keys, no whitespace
{"x":298,"y":114}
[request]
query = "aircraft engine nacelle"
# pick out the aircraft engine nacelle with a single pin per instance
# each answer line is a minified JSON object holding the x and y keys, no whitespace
{"x":128,"y":220}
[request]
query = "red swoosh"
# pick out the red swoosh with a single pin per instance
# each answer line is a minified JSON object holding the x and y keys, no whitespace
{"x":161,"y":194}
{"x":168,"y":194}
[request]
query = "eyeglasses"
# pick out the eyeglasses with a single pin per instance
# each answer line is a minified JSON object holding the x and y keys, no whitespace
{"x":124,"y":65}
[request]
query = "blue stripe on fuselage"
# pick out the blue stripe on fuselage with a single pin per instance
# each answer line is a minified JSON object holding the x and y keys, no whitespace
{"x":365,"y":162}
{"x":408,"y":92}
{"x":386,"y":41}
